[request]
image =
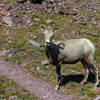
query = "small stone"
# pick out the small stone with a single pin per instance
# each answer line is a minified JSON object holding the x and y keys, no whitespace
{"x":62,"y":11}
{"x":76,"y":18}
{"x":13,"y":98}
{"x":12,"y":53}
{"x":73,"y":32}
{"x":7,"y":6}
{"x":3,"y":52}
{"x":47,"y":66}
{"x":68,"y":11}
{"x":45,"y":62}
{"x":8,"y":21}
{"x":41,"y":71}
{"x":34,"y":43}
{"x":36,"y":19}
{"x":35,"y":37}
{"x":72,"y":12}
{"x":49,"y":21}
{"x":83,"y":23}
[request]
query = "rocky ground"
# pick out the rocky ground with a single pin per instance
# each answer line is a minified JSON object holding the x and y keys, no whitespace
{"x":22,"y":42}
{"x":40,"y":88}
{"x":19,"y":14}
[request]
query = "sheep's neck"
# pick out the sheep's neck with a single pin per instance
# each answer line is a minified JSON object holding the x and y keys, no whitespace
{"x":52,"y":52}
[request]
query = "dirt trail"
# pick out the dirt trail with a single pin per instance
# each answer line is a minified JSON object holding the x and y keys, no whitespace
{"x":37,"y":86}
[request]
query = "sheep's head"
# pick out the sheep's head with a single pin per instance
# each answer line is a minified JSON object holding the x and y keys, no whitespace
{"x":48,"y":33}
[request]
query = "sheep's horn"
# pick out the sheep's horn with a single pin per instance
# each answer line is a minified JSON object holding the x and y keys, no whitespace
{"x":43,"y":26}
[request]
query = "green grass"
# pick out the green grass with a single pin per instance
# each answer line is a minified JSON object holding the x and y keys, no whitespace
{"x":17,"y":39}
{"x":9,"y":88}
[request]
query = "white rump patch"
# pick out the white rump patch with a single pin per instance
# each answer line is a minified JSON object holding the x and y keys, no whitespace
{"x":91,"y":45}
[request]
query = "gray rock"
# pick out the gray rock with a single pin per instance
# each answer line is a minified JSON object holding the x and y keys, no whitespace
{"x":3,"y":52}
{"x":77,"y":18}
{"x":34,"y":43}
{"x":13,"y":98}
{"x":8,"y":20}
{"x":68,"y":11}
{"x":12,"y":53}
{"x":83,"y":23}
{"x":49,"y":21}
{"x":41,"y":71}
{"x":45,"y":62}
{"x":5,"y":7}
{"x":48,"y":66}
{"x":36,"y":19}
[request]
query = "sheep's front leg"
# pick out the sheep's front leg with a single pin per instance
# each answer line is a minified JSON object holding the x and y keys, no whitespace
{"x":86,"y":71}
{"x":59,"y":77}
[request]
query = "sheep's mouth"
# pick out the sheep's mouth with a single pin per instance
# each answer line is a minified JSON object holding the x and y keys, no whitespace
{"x":47,"y":43}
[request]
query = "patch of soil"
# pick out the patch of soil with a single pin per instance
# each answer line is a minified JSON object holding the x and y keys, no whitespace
{"x":37,"y":86}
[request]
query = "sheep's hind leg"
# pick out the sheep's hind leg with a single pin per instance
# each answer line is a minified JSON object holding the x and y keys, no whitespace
{"x":95,"y":70}
{"x":86,"y":70}
{"x":92,"y":65}
{"x":59,"y":77}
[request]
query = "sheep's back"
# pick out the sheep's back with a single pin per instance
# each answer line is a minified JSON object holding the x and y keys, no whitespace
{"x":73,"y":50}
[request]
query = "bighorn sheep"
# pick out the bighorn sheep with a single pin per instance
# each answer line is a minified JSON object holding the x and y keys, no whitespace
{"x":69,"y":52}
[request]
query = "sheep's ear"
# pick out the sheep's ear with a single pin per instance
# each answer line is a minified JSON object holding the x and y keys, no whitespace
{"x":55,"y":30}
{"x":43,"y":28}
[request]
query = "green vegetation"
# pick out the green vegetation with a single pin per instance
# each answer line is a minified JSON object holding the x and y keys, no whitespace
{"x":9,"y":88}
{"x":17,"y":39}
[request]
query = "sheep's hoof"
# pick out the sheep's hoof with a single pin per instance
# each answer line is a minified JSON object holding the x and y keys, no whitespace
{"x":96,"y":85}
{"x":83,"y":82}
{"x":57,"y":88}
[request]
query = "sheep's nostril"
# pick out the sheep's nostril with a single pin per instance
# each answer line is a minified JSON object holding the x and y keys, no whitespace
{"x":47,"y":43}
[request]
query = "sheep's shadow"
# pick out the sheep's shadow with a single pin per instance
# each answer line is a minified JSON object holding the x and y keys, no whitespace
{"x":37,"y":1}
{"x":77,"y":78}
